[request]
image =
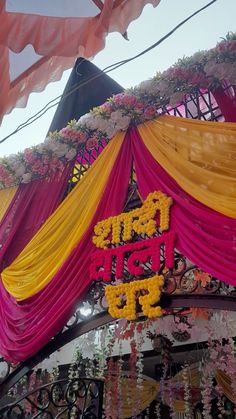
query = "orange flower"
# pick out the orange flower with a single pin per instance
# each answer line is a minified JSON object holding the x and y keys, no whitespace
{"x":200,"y":313}
{"x":203,"y":277}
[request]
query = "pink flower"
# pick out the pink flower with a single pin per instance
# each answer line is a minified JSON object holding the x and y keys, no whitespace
{"x":149,"y":112}
{"x":65,"y":132}
{"x":3,"y":172}
{"x":45,"y":159}
{"x":91,"y":143}
{"x":107,"y":107}
{"x":226,"y":46}
{"x":129,"y":101}
{"x":72,"y":134}
{"x":118,"y":99}
{"x":55,"y":165}
{"x":139,"y":106}
{"x":9,"y":181}
{"x":29,"y":156}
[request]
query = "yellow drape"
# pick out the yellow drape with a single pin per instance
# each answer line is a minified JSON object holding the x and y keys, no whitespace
{"x":6,"y":196}
{"x":199,"y":155}
{"x":195,"y":379}
{"x":45,"y":253}
{"x":141,"y":398}
{"x":225,"y":383}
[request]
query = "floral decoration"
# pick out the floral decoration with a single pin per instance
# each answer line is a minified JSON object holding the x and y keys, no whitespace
{"x":187,"y":393}
{"x":122,"y":298}
{"x":132,"y":258}
{"x":204,"y":70}
{"x":140,"y":220}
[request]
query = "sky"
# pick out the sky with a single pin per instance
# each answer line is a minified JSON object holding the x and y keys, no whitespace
{"x":201,"y":32}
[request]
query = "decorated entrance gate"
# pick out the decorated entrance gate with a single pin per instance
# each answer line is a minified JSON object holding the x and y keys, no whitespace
{"x":146,"y":244}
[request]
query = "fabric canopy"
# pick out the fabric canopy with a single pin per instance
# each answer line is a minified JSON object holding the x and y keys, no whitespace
{"x":41,"y":288}
{"x":39,"y":40}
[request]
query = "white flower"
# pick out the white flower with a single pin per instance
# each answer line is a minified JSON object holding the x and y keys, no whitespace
{"x":163,"y":87}
{"x":86,"y":344}
{"x":20,"y":170}
{"x":146,"y":85}
{"x":71,"y":154}
{"x":110,"y":130}
{"x":84,"y":120}
{"x":116,"y":116}
{"x":47,"y":141}
{"x":176,"y":98}
{"x":26,"y":178}
{"x":93,"y":122}
{"x":13,"y":161}
{"x":123,"y":123}
{"x":60,"y":150}
{"x":211,"y":68}
{"x":102,"y":124}
{"x":51,"y":144}
{"x":198,"y":56}
{"x":40,"y":148}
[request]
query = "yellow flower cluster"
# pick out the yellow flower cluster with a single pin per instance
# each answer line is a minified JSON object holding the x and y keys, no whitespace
{"x":159,"y":201}
{"x":102,"y":230}
{"x":141,"y":220}
{"x":122,"y":298}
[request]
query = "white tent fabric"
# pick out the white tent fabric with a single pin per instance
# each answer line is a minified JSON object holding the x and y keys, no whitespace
{"x":64,"y":8}
{"x":41,"y":39}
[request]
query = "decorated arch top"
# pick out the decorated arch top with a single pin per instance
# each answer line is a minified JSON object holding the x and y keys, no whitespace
{"x":204,"y":70}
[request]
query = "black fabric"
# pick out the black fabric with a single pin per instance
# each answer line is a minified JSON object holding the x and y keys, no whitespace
{"x":86,"y":97}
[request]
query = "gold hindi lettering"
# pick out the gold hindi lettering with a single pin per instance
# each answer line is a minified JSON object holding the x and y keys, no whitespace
{"x":115,"y":230}
{"x":122,"y":299}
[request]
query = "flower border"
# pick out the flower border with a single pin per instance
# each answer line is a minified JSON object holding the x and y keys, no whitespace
{"x":203,"y":70}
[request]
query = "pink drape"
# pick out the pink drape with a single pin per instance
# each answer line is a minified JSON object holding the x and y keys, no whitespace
{"x":206,"y":237}
{"x":27,"y":326}
{"x":31,"y":206}
{"x":227,"y":103}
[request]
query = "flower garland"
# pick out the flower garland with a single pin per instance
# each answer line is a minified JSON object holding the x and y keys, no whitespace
{"x":204,"y":70}
{"x":187,"y":392}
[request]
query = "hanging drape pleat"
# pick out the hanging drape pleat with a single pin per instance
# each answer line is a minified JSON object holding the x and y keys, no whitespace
{"x":199,"y":155}
{"x":31,"y":206}
{"x":26,"y":326}
{"x":226,"y":102}
{"x":6,"y":196}
{"x":41,"y":259}
{"x":133,"y":396}
{"x":226,"y":385}
{"x":205,"y":236}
